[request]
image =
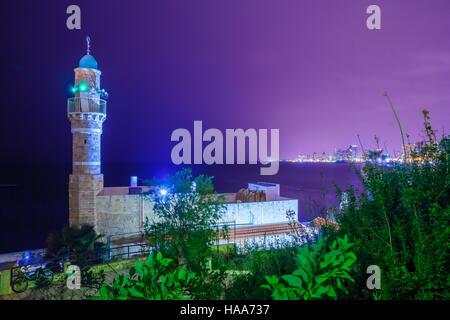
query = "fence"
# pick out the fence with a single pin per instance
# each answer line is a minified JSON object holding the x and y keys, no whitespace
{"x":241,"y":235}
{"x":58,"y":265}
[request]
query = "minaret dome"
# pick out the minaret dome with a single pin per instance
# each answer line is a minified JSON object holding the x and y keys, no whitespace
{"x":88,"y":61}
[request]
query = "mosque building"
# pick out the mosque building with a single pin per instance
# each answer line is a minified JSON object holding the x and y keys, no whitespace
{"x":120,"y":211}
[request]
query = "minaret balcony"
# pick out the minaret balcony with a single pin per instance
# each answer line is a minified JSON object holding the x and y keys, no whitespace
{"x":86,"y":105}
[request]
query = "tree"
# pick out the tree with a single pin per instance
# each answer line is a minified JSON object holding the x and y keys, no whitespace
{"x":187,"y":212}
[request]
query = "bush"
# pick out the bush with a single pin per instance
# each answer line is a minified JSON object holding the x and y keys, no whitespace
{"x":74,"y":242}
{"x":400,"y":223}
{"x":154,"y":280}
{"x":321,"y":272}
{"x":82,"y":246}
{"x":259,"y":263}
{"x":187,"y":213}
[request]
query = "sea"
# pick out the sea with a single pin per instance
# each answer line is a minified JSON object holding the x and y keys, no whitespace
{"x":34,"y":198}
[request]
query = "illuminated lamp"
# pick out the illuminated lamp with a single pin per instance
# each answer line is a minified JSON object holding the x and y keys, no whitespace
{"x":83,"y":87}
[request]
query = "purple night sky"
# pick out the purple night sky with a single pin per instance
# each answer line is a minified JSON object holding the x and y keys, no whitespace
{"x":310,"y":68}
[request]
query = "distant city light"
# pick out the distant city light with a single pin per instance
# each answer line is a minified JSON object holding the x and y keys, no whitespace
{"x":163,"y":192}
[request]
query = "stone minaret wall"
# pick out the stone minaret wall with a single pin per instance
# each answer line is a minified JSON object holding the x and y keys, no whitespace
{"x":86,"y":118}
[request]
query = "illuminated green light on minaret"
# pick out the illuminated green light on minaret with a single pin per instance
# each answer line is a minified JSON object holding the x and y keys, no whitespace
{"x":83,"y":87}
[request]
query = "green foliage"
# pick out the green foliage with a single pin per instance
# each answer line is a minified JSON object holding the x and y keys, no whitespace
{"x":208,"y":285}
{"x":185,"y":227}
{"x":153,"y":280}
{"x":91,"y":279}
{"x":401,"y":224}
{"x":76,"y":242}
{"x":259,"y":262}
{"x":82,"y":246}
{"x":431,"y":149}
{"x":322,"y":271}
{"x":187,"y":216}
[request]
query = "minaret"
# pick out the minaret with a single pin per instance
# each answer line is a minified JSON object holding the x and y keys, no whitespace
{"x":86,"y":112}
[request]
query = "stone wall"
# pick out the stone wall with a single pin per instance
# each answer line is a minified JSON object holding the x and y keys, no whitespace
{"x":256,"y":213}
{"x":83,"y":190}
{"x":86,"y":142}
{"x":119,"y":214}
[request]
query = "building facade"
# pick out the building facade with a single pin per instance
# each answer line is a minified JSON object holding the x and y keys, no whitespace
{"x":115,"y":211}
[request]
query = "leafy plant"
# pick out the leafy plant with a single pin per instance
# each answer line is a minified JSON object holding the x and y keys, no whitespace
{"x":83,"y":247}
{"x":75,"y":242}
{"x":152,"y":280}
{"x":187,"y":212}
{"x":430,"y":149}
{"x":400,"y":222}
{"x":208,"y":285}
{"x":258,"y":262}
{"x":321,"y":272}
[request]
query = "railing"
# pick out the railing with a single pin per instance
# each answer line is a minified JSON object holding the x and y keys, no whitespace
{"x":138,"y":249}
{"x":100,"y":256}
{"x":77,"y":104}
{"x":126,"y":236}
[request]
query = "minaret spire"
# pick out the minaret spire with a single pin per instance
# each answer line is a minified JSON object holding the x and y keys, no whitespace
{"x":88,"y":42}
